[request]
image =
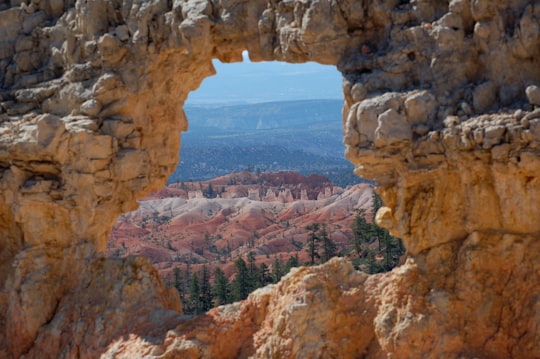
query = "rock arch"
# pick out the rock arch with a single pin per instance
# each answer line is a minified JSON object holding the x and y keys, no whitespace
{"x":441,"y":108}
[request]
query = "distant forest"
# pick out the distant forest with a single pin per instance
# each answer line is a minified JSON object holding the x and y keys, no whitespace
{"x":303,"y":136}
{"x":209,"y":162}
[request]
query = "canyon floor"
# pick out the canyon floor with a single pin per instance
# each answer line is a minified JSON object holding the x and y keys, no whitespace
{"x":216,"y":221}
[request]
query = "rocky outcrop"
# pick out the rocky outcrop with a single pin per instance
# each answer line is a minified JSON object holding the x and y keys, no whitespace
{"x":440,"y":108}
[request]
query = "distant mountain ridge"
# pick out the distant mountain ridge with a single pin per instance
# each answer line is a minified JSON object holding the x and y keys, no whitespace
{"x":265,"y":115}
{"x":303,"y":136}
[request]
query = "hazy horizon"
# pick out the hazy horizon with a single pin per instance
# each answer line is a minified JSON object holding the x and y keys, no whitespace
{"x":254,"y":82}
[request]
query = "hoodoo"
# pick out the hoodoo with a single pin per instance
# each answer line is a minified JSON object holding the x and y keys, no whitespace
{"x":441,"y":108}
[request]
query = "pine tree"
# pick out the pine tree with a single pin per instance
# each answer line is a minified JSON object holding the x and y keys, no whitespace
{"x":312,"y":242}
{"x":179,"y":282}
{"x":187,"y":277}
{"x":221,"y":288}
{"x":209,"y":193}
{"x":329,"y":248}
{"x":376,"y":203}
{"x":277,"y":269}
{"x":240,"y":284}
{"x":195,"y":295}
{"x":253,"y":272}
{"x":393,"y":249}
{"x":361,"y":231}
{"x":292,"y":262}
{"x":389,"y":249}
{"x":264,"y":275}
{"x":206,"y":290}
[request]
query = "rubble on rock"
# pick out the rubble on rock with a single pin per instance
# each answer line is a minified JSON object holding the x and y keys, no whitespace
{"x":441,"y":109}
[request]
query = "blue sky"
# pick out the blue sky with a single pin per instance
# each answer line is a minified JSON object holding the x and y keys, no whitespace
{"x":252,"y":82}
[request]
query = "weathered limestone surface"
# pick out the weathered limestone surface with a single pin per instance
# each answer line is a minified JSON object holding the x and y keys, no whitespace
{"x":441,"y":108}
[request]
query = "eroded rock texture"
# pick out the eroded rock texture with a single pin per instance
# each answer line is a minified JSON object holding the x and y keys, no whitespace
{"x":441,"y":108}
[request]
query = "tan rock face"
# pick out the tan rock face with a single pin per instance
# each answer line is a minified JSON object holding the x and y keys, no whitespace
{"x":439,"y":108}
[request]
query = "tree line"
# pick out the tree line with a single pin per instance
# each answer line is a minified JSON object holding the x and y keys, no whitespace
{"x":372,"y":250}
{"x":199,"y":292}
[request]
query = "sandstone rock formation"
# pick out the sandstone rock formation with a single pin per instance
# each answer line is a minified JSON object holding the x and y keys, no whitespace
{"x":441,"y":108}
{"x":171,"y":228}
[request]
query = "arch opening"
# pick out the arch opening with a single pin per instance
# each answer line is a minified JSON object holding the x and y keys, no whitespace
{"x":261,"y":164}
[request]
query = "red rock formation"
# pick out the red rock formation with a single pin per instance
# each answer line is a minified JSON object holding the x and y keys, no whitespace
{"x":170,"y":229}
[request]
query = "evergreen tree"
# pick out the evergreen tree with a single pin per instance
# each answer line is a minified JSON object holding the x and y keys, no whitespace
{"x":292,"y":262}
{"x":376,"y":203}
{"x":209,"y":193}
{"x":187,"y":281}
{"x":393,"y":249}
{"x":312,"y":242}
{"x":179,"y":282}
{"x":264,"y":275}
{"x":253,"y":272}
{"x":277,"y":269}
{"x":195,"y":295}
{"x":329,"y":248}
{"x":389,"y":249}
{"x":221,"y":288}
{"x":361,"y":232}
{"x":206,"y":290}
{"x":240,"y":283}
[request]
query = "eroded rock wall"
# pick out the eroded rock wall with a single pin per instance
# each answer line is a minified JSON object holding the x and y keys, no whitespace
{"x":441,"y":108}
